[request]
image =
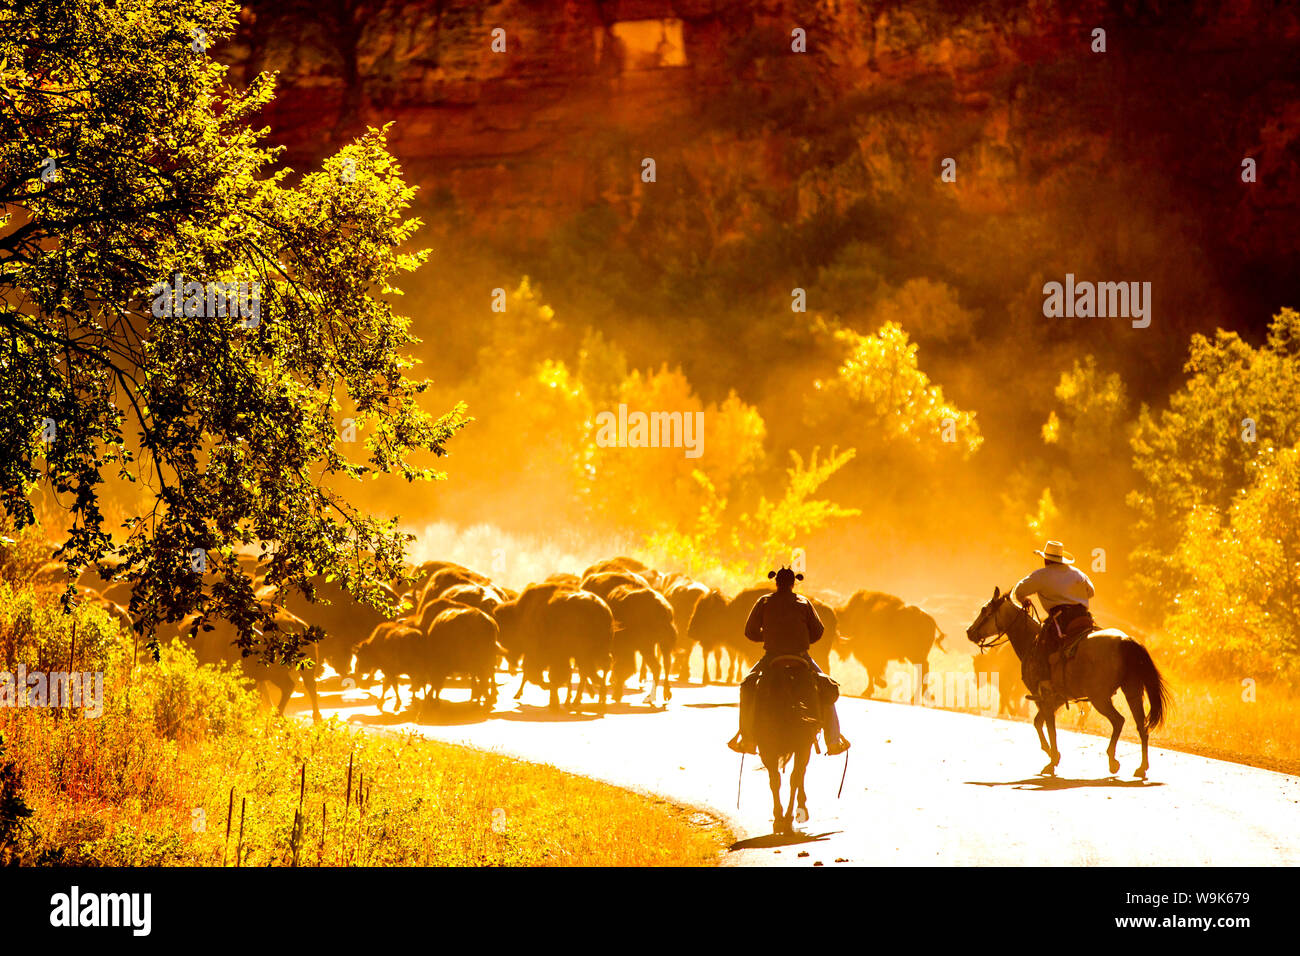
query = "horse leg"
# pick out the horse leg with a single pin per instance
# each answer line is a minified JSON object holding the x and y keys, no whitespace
{"x":1051,"y":737}
{"x":1106,"y":707}
{"x":1041,"y":718}
{"x":774,"y":781}
{"x":797,"y":785}
{"x":1133,"y":694}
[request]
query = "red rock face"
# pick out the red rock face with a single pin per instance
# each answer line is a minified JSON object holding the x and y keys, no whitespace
{"x":507,"y":133}
{"x":521,"y":140}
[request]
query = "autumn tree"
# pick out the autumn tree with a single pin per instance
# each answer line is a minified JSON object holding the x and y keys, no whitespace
{"x":178,"y":316}
{"x":1200,"y":455}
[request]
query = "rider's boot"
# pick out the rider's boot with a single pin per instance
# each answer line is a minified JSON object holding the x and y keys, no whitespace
{"x":743,"y":742}
{"x":835,"y":743}
{"x":1046,"y":692}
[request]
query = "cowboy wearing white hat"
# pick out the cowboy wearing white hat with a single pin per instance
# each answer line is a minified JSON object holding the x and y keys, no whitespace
{"x":1064,"y":592}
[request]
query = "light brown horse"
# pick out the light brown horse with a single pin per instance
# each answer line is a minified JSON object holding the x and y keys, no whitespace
{"x":786,"y":724}
{"x":1105,"y":661}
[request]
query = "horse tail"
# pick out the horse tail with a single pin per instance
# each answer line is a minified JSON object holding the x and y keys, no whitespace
{"x":1138,"y":661}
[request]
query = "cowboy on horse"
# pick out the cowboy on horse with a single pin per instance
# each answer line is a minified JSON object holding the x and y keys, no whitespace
{"x":786,"y":624}
{"x":1064,"y":591}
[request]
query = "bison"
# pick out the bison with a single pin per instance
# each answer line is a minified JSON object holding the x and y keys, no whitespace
{"x":1001,"y":662}
{"x":345,"y":621}
{"x":394,"y":649}
{"x":463,"y":641}
{"x":484,"y":597}
{"x":549,"y":628}
{"x":579,"y":630}
{"x":625,"y":564}
{"x":447,"y":578}
{"x":713,"y":627}
{"x":643,"y":623}
{"x":218,"y":646}
{"x":684,"y":594}
{"x":602,"y":582}
{"x":521,"y":624}
{"x":880,"y":628}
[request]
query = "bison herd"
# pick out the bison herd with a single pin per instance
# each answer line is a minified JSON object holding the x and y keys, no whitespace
{"x":599,"y":627}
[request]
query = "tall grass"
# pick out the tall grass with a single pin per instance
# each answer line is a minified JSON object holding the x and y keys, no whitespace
{"x":181,"y":769}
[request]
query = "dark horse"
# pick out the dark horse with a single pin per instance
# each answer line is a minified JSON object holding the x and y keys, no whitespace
{"x":1105,"y":661}
{"x":786,"y":724}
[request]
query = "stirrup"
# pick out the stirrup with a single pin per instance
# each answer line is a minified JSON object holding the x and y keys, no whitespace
{"x":835,"y":751}
{"x":741,"y":746}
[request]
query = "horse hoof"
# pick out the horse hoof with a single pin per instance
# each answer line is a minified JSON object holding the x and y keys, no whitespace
{"x":801,"y":816}
{"x":1140,"y":772}
{"x":1049,"y":770}
{"x":1114,"y":765}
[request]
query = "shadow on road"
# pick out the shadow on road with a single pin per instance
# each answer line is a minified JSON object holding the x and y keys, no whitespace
{"x":452,"y":714}
{"x":781,"y":839}
{"x":707,"y":706}
{"x":546,"y":714}
{"x":1063,"y":783}
{"x":628,"y":707}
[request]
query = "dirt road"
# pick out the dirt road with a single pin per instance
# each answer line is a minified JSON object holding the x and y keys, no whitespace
{"x":924,"y":787}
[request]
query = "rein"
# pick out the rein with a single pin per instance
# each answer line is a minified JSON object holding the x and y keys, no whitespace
{"x":1002,"y":636}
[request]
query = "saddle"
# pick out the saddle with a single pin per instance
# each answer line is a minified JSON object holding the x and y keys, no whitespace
{"x":1068,"y":626}
{"x":1062,"y":635}
{"x":786,"y":692}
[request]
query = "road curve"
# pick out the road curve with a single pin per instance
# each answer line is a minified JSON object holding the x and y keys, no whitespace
{"x":924,"y":787}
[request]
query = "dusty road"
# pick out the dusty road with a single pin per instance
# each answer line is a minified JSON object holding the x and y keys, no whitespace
{"x":924,"y":787}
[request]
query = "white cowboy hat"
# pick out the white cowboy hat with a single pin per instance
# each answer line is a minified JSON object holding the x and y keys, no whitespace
{"x":1055,"y":551}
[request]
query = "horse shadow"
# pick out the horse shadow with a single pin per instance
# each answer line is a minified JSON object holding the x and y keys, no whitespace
{"x":451,"y":714}
{"x":383,"y":719}
{"x":531,"y":712}
{"x":1044,"y":783}
{"x":772,"y":840}
{"x":634,"y":707}
{"x":445,"y":714}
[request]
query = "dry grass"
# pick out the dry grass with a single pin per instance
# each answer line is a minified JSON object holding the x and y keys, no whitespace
{"x":101,"y":798}
{"x":1214,"y":718}
{"x":153,"y":780}
{"x":1211,"y":718}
